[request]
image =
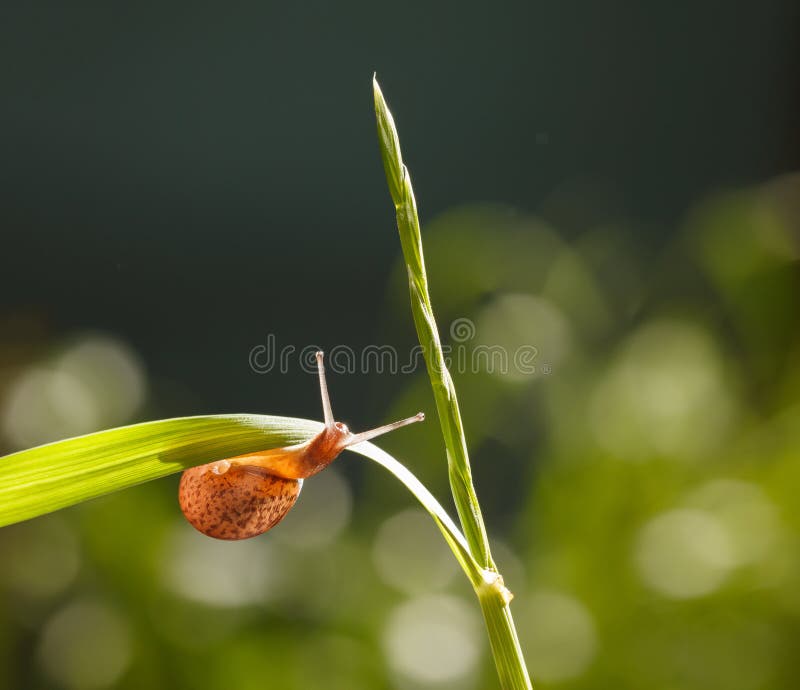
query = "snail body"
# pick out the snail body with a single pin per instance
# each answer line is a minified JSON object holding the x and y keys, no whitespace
{"x":244,"y":496}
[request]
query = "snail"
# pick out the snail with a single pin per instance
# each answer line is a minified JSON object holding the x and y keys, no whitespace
{"x":246,"y":495}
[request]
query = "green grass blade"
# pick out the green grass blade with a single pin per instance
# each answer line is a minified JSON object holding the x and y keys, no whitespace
{"x":493,"y":596}
{"x":453,"y":537}
{"x":506,"y":651}
{"x":60,"y":474}
{"x":399,"y":181}
{"x":46,"y":478}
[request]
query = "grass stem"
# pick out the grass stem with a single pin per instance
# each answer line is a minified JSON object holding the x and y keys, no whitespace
{"x":494,"y":598}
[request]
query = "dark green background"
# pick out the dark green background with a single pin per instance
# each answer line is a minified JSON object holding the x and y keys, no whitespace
{"x":193,"y":176}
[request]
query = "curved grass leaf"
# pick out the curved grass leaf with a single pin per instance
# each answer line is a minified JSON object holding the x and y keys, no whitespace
{"x":60,"y":474}
{"x":56,"y":475}
{"x":453,"y":536}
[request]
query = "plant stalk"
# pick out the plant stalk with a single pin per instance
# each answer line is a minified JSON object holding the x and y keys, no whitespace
{"x":494,"y":598}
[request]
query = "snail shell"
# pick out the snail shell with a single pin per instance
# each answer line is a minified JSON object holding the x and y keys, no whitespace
{"x":237,"y":501}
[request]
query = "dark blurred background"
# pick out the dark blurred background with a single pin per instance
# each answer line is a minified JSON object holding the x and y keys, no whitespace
{"x":613,"y":184}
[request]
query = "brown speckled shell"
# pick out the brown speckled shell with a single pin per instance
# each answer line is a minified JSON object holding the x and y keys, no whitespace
{"x":241,"y":503}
